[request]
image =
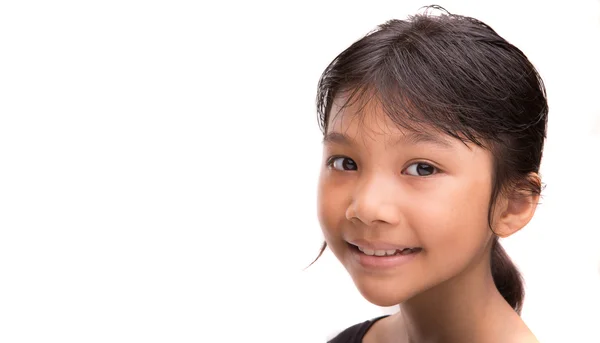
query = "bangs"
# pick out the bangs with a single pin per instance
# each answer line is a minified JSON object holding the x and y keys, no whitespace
{"x":427,"y":72}
{"x":400,"y":108}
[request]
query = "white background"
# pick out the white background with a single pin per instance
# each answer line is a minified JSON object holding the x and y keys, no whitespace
{"x":159,"y":160}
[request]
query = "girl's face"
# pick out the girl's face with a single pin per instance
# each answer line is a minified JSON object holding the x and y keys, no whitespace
{"x":383,"y":189}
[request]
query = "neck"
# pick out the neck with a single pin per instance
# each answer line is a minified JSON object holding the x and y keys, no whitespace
{"x":466,"y":308}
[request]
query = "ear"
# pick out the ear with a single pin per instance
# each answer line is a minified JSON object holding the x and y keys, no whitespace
{"x":516,"y":207}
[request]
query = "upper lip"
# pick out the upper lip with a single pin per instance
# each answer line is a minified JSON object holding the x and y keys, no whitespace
{"x":372,"y":245}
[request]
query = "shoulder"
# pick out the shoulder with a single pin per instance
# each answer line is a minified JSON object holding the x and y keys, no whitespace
{"x":355,"y":333}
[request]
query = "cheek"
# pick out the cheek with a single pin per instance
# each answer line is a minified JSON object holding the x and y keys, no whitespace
{"x":332,"y":201}
{"x":330,"y":207}
{"x":453,"y":223}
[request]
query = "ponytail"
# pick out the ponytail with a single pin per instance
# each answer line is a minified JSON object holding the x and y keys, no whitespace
{"x":507,"y":277}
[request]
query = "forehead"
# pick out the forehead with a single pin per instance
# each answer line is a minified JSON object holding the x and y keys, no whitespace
{"x":369,"y":120}
{"x":367,"y":117}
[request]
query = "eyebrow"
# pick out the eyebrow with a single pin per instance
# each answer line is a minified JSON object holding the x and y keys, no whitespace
{"x":410,"y":138}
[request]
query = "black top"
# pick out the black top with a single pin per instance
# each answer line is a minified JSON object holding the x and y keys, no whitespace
{"x":355,"y":333}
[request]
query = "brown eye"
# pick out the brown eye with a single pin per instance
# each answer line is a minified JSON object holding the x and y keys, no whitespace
{"x":420,"y":169}
{"x":342,"y":163}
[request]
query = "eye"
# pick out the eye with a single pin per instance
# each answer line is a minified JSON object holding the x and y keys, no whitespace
{"x":421,"y":169}
{"x":341,"y":163}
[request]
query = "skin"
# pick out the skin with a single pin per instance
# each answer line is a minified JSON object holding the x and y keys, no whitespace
{"x":382,"y":188}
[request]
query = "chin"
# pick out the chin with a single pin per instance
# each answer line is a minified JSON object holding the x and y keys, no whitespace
{"x":383,"y":292}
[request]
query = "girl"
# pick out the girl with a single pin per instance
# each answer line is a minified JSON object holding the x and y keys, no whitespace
{"x":433,"y":134}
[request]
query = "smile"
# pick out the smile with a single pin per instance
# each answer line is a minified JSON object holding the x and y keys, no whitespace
{"x":371,"y":258}
{"x":392,"y":252}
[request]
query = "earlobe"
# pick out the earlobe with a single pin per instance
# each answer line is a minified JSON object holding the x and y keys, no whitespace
{"x":518,"y":207}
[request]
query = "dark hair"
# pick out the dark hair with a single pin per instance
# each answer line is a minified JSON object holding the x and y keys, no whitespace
{"x":457,"y":75}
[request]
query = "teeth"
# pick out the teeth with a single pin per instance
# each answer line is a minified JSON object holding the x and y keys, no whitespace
{"x":367,"y":251}
{"x":385,"y":252}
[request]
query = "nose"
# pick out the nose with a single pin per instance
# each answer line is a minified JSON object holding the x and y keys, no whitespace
{"x":375,"y":202}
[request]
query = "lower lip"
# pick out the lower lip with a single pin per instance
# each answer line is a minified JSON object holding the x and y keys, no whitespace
{"x":380,"y":262}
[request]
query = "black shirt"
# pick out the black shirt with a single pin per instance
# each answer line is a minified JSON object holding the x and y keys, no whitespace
{"x":355,"y":333}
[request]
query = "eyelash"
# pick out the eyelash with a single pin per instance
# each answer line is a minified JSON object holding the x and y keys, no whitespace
{"x":332,"y":159}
